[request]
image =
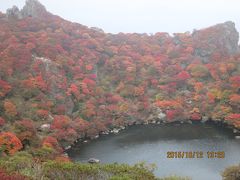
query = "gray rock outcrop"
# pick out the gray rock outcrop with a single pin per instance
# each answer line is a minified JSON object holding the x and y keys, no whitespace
{"x":222,"y":38}
{"x":32,"y":8}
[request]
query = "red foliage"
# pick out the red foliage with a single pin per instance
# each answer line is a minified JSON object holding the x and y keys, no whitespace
{"x":107,"y":79}
{"x":184,"y":75}
{"x":4,"y":88}
{"x":52,"y":142}
{"x":42,"y":113}
{"x":89,"y":67}
{"x":61,"y":122}
{"x":81,"y":126}
{"x":2,"y":121}
{"x":171,"y":114}
{"x":10,"y":143}
{"x":235,"y":99}
{"x":234,"y":119}
{"x":235,"y":80}
{"x":168,"y":104}
{"x":13,"y":176}
{"x":196,"y":116}
{"x":68,"y":135}
{"x":62,"y":159}
{"x":73,"y":89}
{"x":25,"y":129}
{"x":10,"y":108}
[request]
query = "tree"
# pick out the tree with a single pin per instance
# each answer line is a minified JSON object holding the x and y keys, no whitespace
{"x":198,"y":70}
{"x":61,"y":122}
{"x":5,"y":87}
{"x":51,"y":142}
{"x":10,"y":109}
{"x":9,"y":143}
{"x":25,"y":130}
{"x":2,"y":121}
{"x":234,"y":118}
{"x":183,"y":75}
{"x":235,"y":100}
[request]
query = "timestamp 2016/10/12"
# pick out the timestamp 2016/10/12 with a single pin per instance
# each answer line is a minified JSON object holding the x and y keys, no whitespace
{"x":196,"y":154}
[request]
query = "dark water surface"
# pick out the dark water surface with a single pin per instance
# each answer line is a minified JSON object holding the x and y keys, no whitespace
{"x":152,"y":142}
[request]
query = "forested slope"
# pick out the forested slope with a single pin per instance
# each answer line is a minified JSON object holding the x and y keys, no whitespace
{"x":61,"y":81}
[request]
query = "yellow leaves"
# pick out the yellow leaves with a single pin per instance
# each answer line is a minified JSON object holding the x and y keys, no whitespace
{"x":221,"y":111}
{"x":124,"y":107}
{"x":195,"y":110}
{"x":218,"y":94}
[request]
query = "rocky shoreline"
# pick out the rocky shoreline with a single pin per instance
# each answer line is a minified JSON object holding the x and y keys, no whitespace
{"x":116,"y":130}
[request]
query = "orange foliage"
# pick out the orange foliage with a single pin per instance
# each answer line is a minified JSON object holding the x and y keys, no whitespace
{"x":9,"y":143}
{"x":168,"y":104}
{"x":10,"y":108}
{"x":51,"y":142}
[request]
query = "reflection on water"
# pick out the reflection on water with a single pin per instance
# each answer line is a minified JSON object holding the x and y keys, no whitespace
{"x":151,"y":144}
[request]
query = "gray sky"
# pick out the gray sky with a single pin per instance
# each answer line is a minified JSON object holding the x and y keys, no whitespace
{"x":141,"y":16}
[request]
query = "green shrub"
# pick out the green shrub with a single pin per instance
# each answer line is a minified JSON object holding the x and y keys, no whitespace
{"x":231,"y":173}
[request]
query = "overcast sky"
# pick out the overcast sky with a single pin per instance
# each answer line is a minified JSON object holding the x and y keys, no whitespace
{"x":141,"y":16}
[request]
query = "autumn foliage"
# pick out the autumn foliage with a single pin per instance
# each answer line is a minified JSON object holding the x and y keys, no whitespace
{"x":81,"y":81}
{"x":9,"y":143}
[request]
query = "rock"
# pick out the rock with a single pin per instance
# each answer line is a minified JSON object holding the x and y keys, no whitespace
{"x":65,"y":154}
{"x":138,"y":123}
{"x":221,"y":38}
{"x":105,"y":132}
{"x":50,"y":118}
{"x":97,"y":29}
{"x":14,"y":12}
{"x":115,"y":130}
{"x":236,"y":131}
{"x":237,"y":137}
{"x":122,"y":127}
{"x":153,"y":122}
{"x":189,"y":122}
{"x":204,"y":119}
{"x":45,"y":127}
{"x":32,"y":8}
{"x":161,"y":116}
{"x":93,"y":161}
{"x":68,"y":147}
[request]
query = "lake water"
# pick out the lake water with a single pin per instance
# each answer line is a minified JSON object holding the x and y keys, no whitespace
{"x":152,"y":142}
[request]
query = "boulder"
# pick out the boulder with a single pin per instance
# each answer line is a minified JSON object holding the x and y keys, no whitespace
{"x":32,"y":8}
{"x":45,"y":127}
{"x":221,"y":38}
{"x":237,"y":137}
{"x":14,"y":12}
{"x":115,"y":131}
{"x":93,"y":161}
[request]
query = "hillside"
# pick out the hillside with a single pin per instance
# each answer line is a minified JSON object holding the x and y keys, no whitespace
{"x":62,"y":81}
